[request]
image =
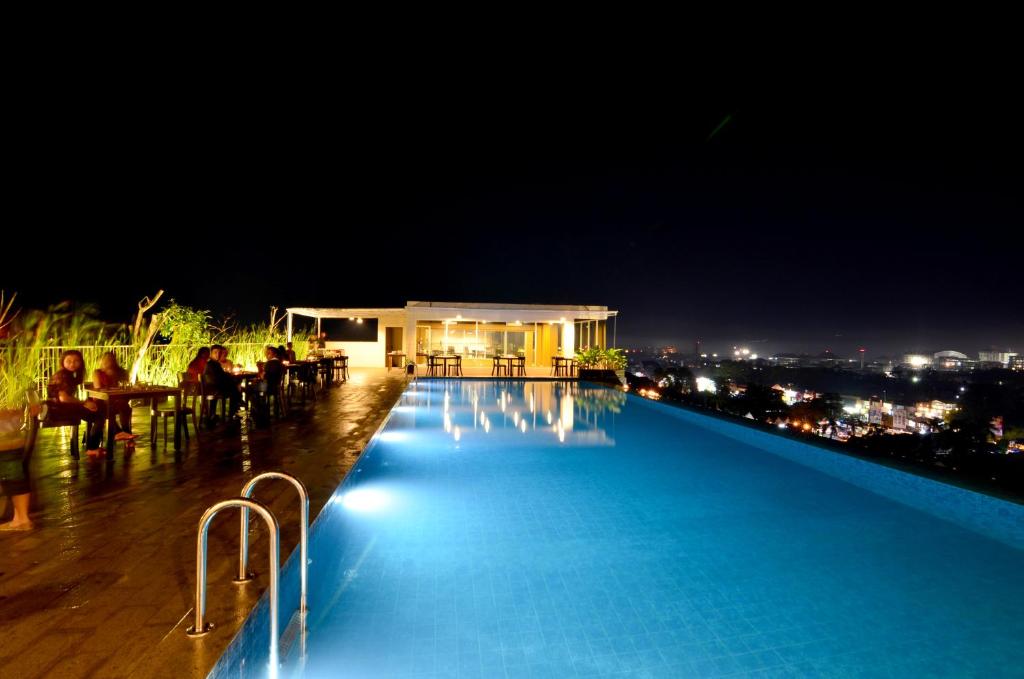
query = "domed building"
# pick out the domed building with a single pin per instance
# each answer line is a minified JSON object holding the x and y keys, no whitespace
{"x":951,"y":360}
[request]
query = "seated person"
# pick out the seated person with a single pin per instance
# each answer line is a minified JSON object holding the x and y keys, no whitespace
{"x":110,"y":375}
{"x":218,"y":381}
{"x":224,"y":362}
{"x":64,"y":404}
{"x":273,"y":370}
{"x":198,"y":365}
{"x":289,"y":353}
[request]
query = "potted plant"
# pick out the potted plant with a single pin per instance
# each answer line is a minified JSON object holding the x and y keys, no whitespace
{"x":602,"y":365}
{"x":16,"y":371}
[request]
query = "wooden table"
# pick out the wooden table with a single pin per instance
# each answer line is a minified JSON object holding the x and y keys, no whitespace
{"x":152,"y":394}
{"x":390,"y":359}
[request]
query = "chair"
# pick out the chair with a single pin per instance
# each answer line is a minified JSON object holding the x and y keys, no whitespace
{"x":272,"y":389}
{"x":433,"y":364}
{"x":191,"y":391}
{"x":280,"y":406}
{"x":338,"y":367}
{"x":520,"y":366}
{"x":49,"y":418}
{"x":208,"y":404}
{"x":189,"y":388}
{"x":498,"y":367}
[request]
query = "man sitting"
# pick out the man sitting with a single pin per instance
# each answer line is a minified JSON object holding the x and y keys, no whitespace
{"x":217,"y":381}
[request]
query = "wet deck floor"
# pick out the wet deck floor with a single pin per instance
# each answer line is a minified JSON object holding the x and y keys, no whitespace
{"x":99,"y":587}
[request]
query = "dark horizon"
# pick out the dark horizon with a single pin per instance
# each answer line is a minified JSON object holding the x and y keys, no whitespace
{"x":877,"y":218}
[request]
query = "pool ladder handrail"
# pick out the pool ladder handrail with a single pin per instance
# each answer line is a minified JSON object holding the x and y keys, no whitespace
{"x":244,"y":575}
{"x":200,"y":626}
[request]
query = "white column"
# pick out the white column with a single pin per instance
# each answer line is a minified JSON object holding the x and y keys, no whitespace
{"x":568,"y":338}
{"x":289,"y":326}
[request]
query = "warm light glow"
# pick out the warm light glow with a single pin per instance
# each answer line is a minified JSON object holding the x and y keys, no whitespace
{"x":522,"y":426}
{"x":706,"y":384}
{"x":457,"y":434}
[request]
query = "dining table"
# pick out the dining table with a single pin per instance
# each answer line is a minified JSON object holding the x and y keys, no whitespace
{"x":154,"y":394}
{"x":444,"y":358}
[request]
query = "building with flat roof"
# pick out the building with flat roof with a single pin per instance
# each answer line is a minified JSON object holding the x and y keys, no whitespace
{"x":475,"y":331}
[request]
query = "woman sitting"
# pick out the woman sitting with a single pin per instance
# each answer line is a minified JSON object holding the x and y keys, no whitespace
{"x":111,"y":375}
{"x":224,"y":362}
{"x":65,"y":405}
{"x":198,"y":365}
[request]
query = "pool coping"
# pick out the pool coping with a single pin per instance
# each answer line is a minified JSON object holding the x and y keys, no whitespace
{"x":982,"y":513}
{"x":931,"y":473}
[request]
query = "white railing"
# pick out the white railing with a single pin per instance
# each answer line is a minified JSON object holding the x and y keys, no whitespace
{"x":49,"y":359}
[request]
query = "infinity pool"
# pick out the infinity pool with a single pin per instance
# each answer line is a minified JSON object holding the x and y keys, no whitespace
{"x":548,"y":529}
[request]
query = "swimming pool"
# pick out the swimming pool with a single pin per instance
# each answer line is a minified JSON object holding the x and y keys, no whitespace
{"x":546,"y":529}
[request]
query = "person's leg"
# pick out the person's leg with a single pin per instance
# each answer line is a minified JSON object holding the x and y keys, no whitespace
{"x":124,"y":416}
{"x":94,"y":421}
{"x":20,"y":520}
{"x":16,"y":487}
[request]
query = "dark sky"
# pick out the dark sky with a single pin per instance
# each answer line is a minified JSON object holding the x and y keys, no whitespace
{"x":884,"y":215}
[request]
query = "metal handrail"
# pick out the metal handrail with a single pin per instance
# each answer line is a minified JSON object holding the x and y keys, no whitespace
{"x":243,"y":554}
{"x":200,"y":627}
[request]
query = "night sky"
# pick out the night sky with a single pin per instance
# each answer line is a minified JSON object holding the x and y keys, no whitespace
{"x":886,"y":217}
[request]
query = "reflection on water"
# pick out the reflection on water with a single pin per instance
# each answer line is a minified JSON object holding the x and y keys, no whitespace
{"x":558,"y":411}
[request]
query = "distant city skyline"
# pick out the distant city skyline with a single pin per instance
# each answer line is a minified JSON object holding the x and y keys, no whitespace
{"x":825,"y":222}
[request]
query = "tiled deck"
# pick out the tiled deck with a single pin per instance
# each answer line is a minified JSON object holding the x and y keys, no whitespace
{"x":99,"y":587}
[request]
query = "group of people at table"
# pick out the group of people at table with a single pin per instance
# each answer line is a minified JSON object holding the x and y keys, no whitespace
{"x":211,"y":367}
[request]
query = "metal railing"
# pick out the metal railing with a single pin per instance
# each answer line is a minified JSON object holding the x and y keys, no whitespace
{"x":200,"y":626}
{"x":245,"y":503}
{"x":243,"y":554}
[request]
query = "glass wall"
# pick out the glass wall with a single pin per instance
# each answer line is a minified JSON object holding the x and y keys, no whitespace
{"x":477,"y":342}
{"x":590,"y":334}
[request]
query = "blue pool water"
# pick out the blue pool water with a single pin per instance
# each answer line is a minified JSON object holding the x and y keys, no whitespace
{"x":544,"y":529}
